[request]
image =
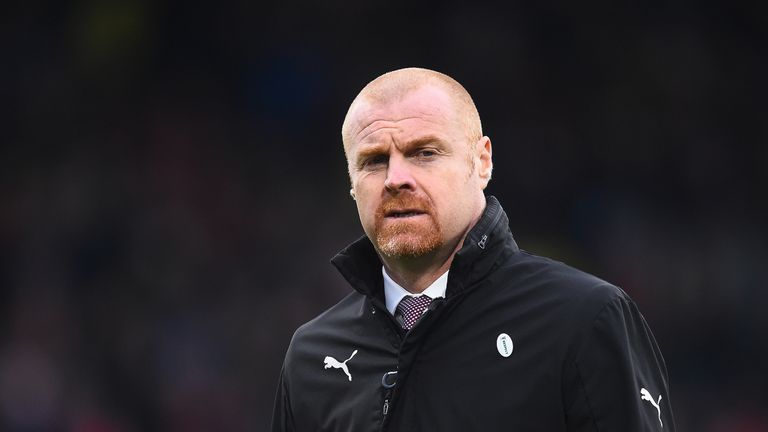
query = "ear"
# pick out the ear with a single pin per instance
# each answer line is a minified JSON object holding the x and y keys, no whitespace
{"x":351,"y":178}
{"x":484,"y":153}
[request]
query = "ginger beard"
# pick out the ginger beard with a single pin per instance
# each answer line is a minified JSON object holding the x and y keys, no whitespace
{"x":406,"y":226}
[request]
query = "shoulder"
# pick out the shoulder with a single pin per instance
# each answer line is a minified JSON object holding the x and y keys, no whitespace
{"x":585,"y":304}
{"x":556,"y":280}
{"x":334,"y":318}
{"x":335,"y":325}
{"x":577,"y":307}
{"x":562,"y":298}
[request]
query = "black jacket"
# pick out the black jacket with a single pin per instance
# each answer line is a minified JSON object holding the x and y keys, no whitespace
{"x":577,"y":355}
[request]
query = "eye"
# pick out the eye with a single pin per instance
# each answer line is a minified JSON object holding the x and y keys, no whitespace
{"x":374,"y":162}
{"x":425,"y":153}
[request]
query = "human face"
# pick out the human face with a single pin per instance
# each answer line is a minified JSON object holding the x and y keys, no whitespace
{"x":417,"y":178}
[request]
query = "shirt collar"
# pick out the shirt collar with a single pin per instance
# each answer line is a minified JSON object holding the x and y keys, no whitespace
{"x":393,"y":292}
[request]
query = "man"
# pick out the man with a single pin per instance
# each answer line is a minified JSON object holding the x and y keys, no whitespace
{"x":451,"y":327}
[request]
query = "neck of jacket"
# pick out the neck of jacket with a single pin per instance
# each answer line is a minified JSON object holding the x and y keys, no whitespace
{"x":485,"y":246}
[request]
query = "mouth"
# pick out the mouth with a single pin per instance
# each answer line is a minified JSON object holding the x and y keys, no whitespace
{"x":402,"y":214}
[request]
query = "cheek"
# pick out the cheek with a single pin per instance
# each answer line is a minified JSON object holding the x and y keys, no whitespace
{"x":367,"y":219}
{"x":453,"y":205}
{"x":366,"y":207}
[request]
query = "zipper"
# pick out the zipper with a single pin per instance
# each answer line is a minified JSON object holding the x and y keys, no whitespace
{"x":385,"y":407}
{"x":389,"y":394}
{"x":390,"y":387}
{"x":484,"y":238}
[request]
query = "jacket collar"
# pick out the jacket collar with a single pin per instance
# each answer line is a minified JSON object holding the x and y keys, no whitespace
{"x":488,"y":241}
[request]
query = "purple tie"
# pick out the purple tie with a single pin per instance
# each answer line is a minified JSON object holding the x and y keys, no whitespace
{"x":410,"y":309}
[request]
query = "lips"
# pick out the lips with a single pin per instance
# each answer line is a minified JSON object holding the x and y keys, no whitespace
{"x":403,"y":207}
{"x":403,"y":213}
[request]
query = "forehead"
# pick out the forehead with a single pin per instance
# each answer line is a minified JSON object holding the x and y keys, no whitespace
{"x":427,"y":109}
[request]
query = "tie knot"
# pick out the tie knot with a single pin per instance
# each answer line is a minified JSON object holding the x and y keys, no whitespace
{"x":410,"y":309}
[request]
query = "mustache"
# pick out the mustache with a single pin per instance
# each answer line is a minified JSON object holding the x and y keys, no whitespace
{"x":406,"y":202}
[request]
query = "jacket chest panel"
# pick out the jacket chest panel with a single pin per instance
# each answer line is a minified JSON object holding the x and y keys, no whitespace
{"x":340,"y":406}
{"x":491,"y":365}
{"x":473,"y":387}
{"x":476,"y":369}
{"x":340,"y":373}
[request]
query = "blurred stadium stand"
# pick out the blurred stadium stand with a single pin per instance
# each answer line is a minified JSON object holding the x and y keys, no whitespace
{"x":173,"y":187}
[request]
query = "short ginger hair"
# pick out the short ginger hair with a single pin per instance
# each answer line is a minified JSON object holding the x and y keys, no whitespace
{"x":396,"y":84}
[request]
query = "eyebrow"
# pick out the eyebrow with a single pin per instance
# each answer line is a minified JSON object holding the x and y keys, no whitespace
{"x":424,"y":140}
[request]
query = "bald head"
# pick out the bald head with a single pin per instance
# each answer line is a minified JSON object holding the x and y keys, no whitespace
{"x":394,"y":86}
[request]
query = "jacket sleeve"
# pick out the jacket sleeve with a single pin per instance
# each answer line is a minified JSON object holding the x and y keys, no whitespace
{"x":282,"y":418}
{"x":616,"y":379}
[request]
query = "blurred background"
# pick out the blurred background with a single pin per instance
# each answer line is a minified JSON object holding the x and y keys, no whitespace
{"x":173,"y":186}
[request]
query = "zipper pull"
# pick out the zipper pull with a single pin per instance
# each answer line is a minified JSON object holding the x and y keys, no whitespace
{"x":483,"y":241}
{"x":388,"y":381}
{"x":385,"y":407}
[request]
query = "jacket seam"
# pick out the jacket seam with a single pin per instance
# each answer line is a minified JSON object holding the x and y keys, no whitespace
{"x":577,"y":357}
{"x":586,"y":396}
{"x":287,"y":403}
{"x":597,"y":317}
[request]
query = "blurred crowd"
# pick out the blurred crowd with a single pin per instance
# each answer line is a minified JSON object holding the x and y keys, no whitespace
{"x":173,"y":186}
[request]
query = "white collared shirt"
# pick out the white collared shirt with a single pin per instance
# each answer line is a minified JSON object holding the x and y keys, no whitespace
{"x":393,"y":292}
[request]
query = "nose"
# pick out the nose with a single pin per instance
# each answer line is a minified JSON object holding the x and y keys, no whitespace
{"x":398,"y":175}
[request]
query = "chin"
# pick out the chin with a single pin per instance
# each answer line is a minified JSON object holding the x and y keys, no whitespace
{"x":408,"y":246}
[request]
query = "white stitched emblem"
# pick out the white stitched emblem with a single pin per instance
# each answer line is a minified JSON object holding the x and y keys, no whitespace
{"x":331,"y":362}
{"x":646,"y":396}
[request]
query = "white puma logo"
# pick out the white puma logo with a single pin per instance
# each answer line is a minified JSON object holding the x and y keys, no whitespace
{"x":646,"y":396}
{"x":331,"y":362}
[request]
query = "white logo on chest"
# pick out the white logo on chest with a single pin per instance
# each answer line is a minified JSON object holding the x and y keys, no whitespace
{"x":331,"y":362}
{"x":504,"y":345}
{"x":646,"y":396}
